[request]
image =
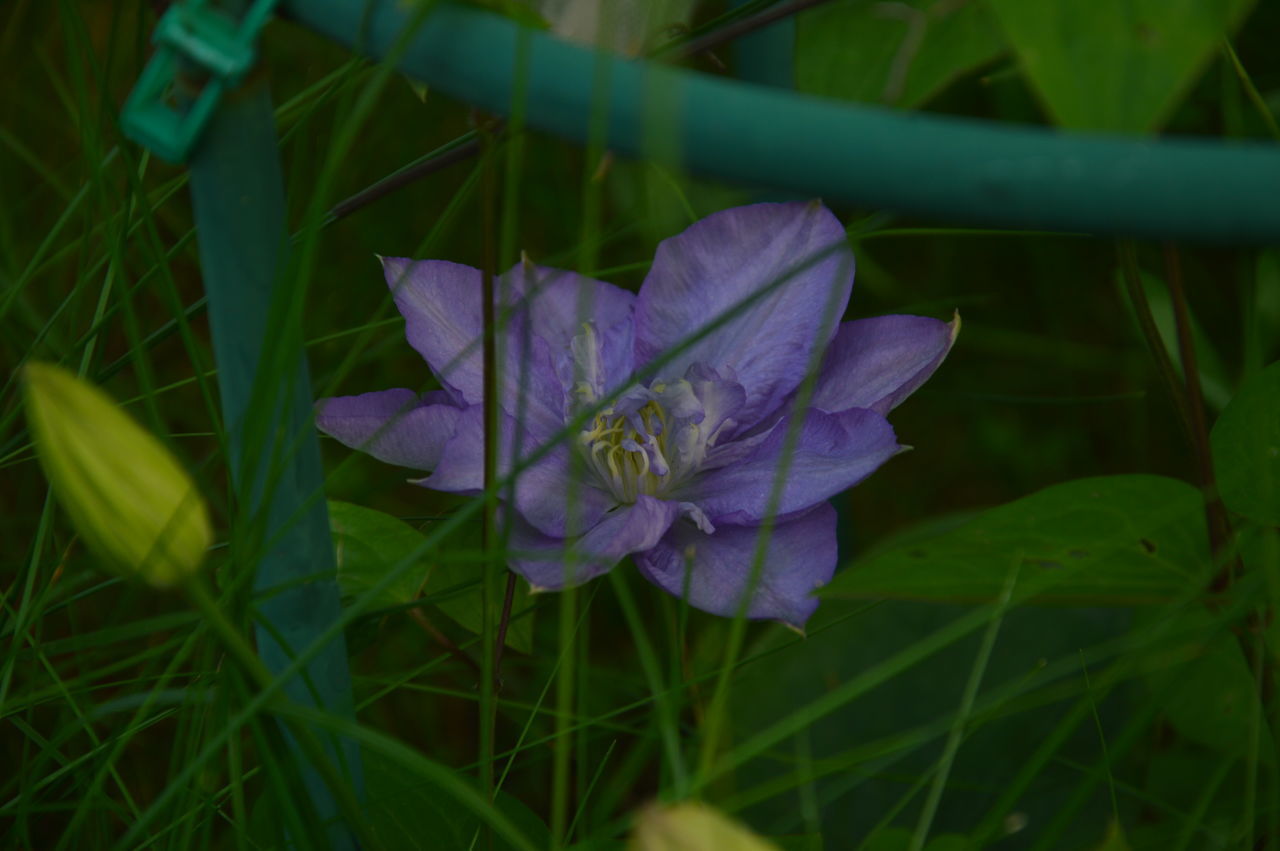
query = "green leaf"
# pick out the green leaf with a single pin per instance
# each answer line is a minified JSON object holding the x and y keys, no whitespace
{"x":900,"y":53}
{"x":408,"y":812}
{"x":465,"y":608}
{"x":1206,"y":689}
{"x":1115,"y":540}
{"x":1104,"y":65}
{"x":369,"y":543}
{"x":1246,"y":449}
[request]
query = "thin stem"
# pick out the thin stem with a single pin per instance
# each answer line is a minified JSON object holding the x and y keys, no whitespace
{"x":462,"y":148}
{"x":504,"y":620}
{"x":1251,"y":91}
{"x":443,"y":640}
{"x":1214,"y":511}
{"x":1151,"y":334}
{"x":737,"y":29}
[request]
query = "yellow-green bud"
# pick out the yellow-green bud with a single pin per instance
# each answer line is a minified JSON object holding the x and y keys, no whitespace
{"x":131,"y":501}
{"x":691,"y":826}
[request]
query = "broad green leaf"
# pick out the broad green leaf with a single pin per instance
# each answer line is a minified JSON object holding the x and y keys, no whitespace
{"x":369,"y":543}
{"x":1115,"y":66}
{"x":896,"y":53}
{"x":410,"y":813}
{"x":1200,"y":793}
{"x":1246,"y":449}
{"x":1206,"y":689}
{"x":465,"y":608}
{"x":1115,"y":540}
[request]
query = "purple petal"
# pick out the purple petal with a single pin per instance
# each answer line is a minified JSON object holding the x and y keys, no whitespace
{"x":441,"y":305}
{"x":395,"y":426}
{"x":801,"y":557}
{"x":542,"y":492}
{"x":833,"y":452}
{"x":440,"y":302}
{"x":588,"y":324}
{"x":728,"y":257}
{"x":626,"y":529}
{"x":876,"y":363}
{"x":559,"y":301}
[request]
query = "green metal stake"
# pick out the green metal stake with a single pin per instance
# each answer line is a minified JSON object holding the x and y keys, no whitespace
{"x":237,"y":191}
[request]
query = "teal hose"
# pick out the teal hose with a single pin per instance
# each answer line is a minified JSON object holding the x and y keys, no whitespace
{"x":949,"y":169}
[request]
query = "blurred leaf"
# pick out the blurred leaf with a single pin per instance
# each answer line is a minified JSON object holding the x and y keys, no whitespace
{"x":1207,"y":690}
{"x":1246,"y":448}
{"x":692,"y":826}
{"x":798,"y":842}
{"x":409,"y":813}
{"x":1198,"y":793}
{"x":896,"y":53}
{"x":889,"y":839}
{"x":950,"y":842}
{"x":1115,"y":540}
{"x":1103,"y":65}
{"x":1114,"y":840}
{"x":369,"y":543}
{"x":900,"y":839}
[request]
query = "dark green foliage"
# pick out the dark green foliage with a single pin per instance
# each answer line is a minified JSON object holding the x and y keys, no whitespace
{"x":1031,"y":642}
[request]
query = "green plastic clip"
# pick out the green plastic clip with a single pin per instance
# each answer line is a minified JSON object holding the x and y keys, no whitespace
{"x":201,"y":53}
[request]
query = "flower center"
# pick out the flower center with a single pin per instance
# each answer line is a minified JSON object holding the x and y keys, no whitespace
{"x":628,"y":451}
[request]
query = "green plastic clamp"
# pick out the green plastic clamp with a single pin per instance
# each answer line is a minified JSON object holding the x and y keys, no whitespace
{"x":201,"y":53}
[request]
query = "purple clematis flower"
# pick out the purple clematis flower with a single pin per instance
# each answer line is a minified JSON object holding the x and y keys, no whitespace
{"x":675,"y":468}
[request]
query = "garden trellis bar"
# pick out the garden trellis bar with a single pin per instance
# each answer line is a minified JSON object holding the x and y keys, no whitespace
{"x":952,"y":169}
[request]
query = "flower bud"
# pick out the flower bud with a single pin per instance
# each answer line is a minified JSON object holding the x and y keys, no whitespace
{"x":692,"y":826}
{"x":130,"y":500}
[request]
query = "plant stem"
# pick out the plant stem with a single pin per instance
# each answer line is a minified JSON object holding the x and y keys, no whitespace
{"x":1151,"y":334}
{"x":443,"y":640}
{"x":504,"y":621}
{"x":1214,"y":511}
{"x":462,"y":148}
